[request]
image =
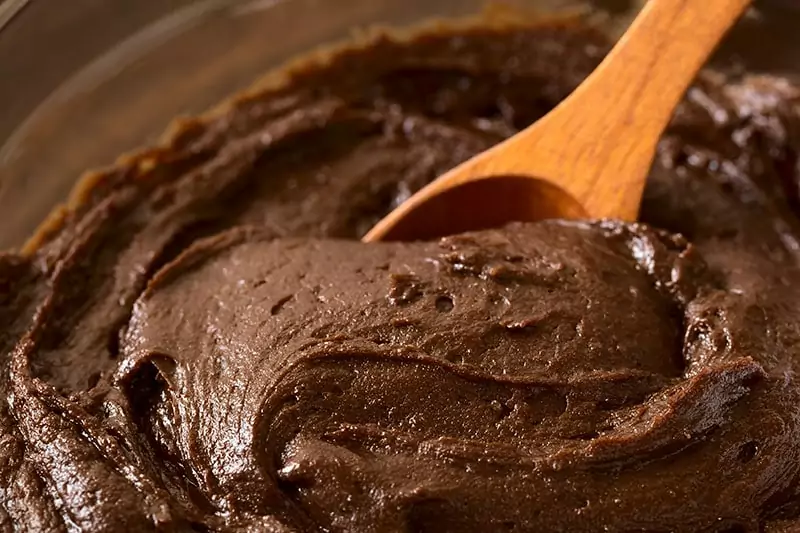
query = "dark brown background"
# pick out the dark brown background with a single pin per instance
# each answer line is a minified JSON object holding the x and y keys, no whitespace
{"x":28,"y":73}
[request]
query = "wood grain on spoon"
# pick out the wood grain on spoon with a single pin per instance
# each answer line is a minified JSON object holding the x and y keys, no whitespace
{"x":590,"y":156}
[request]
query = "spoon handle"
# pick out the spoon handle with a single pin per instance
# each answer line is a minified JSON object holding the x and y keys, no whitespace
{"x":598,"y":144}
{"x":636,"y":88}
{"x":611,"y":124}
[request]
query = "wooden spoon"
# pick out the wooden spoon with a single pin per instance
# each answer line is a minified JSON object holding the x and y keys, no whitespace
{"x":590,"y":156}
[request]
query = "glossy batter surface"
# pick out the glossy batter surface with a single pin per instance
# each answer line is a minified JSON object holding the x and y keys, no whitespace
{"x":201,"y":343}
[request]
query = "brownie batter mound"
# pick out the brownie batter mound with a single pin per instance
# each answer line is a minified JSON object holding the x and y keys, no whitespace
{"x":200,"y":343}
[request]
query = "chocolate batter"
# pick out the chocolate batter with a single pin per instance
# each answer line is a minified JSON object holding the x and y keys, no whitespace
{"x":200,"y":343}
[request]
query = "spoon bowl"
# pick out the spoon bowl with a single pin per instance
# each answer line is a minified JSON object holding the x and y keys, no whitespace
{"x":463,"y":208}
